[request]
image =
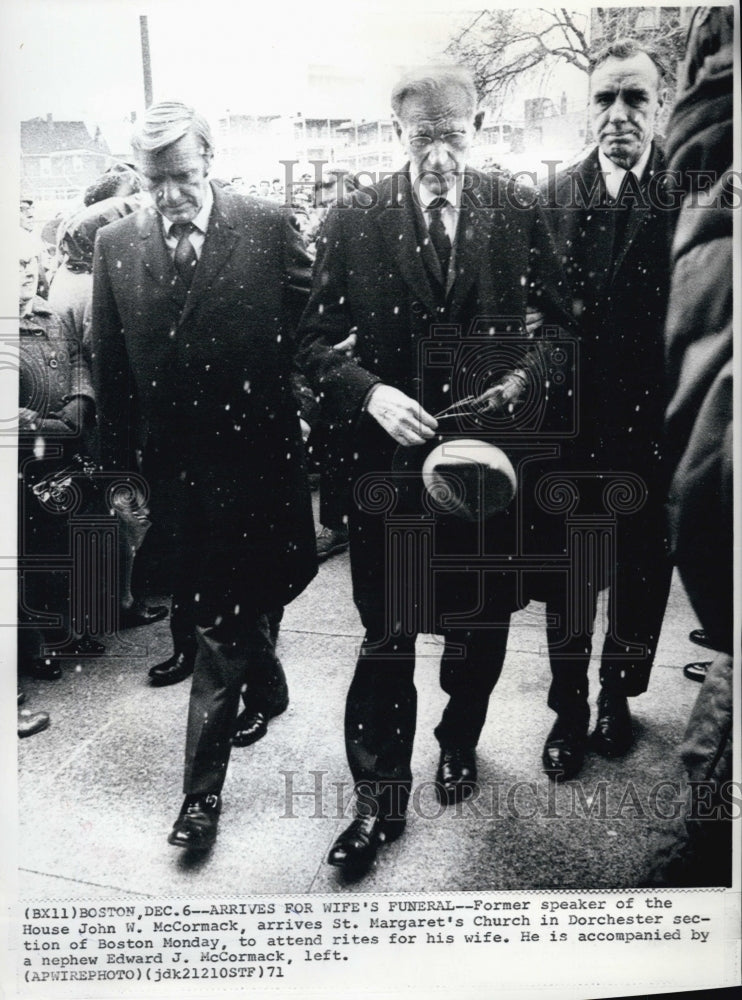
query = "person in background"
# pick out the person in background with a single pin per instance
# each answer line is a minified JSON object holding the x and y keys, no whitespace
{"x":614,"y":246}
{"x":56,"y":413}
{"x":334,"y":187}
{"x":71,"y":296}
{"x":697,"y":849}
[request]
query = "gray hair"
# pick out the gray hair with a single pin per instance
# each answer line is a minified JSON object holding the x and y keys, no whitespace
{"x":626,"y":48}
{"x":166,"y":122}
{"x":431,"y":81}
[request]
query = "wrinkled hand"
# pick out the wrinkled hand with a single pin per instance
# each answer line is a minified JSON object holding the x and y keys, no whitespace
{"x":400,"y":416}
{"x":534,"y":319}
{"x":507,"y":394}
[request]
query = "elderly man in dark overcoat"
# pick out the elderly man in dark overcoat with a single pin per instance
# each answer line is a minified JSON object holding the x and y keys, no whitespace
{"x":611,"y":216}
{"x":432,"y":269}
{"x":194,"y":310}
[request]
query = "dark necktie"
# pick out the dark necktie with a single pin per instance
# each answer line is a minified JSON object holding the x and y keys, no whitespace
{"x":438,"y":235}
{"x":185,"y":258}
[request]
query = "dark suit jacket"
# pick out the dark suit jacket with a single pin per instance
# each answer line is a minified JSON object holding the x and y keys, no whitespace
{"x":376,"y":274}
{"x":618,"y":290}
{"x":203,"y":383}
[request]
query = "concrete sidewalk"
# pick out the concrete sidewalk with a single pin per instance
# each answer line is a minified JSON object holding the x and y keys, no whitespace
{"x":99,"y":790}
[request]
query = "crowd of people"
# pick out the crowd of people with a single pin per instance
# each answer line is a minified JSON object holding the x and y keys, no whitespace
{"x":476,"y":369}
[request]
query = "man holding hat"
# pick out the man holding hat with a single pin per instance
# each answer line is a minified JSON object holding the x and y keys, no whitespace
{"x":432,"y":269}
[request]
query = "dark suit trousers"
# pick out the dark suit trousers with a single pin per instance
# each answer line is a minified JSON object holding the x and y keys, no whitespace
{"x":236,"y":656}
{"x":381,"y":707}
{"x":636,"y":608}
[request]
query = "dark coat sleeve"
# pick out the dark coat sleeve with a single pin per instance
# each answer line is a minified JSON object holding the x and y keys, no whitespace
{"x":111,"y":373}
{"x":339,"y":381}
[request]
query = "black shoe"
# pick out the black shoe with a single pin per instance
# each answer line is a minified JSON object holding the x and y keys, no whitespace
{"x":172,"y":671}
{"x":697,"y":671}
{"x":456,"y":777}
{"x":29,"y":725}
{"x":252,"y":725}
{"x":613,"y":733}
{"x":195,"y":828}
{"x":700,"y":637}
{"x":43,"y":668}
{"x":140,"y":614}
{"x":330,"y":542}
{"x":564,"y":749}
{"x":21,"y":698}
{"x":356,"y":847}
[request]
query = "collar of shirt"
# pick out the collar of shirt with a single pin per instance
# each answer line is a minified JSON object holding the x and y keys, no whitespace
{"x":614,"y":175}
{"x":449,"y":214}
{"x":200,"y":221}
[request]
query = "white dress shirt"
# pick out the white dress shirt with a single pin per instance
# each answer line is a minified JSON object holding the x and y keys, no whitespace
{"x":614,"y":175}
{"x":197,"y":235}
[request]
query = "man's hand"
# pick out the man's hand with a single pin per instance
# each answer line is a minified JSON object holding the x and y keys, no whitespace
{"x":347,"y":345}
{"x":401,"y":417}
{"x":28,"y":420}
{"x":534,"y":319}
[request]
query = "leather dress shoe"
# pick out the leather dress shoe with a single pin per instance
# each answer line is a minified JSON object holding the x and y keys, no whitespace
{"x":697,"y":671}
{"x":21,"y":698}
{"x":172,"y":671}
{"x":613,"y":733}
{"x":140,"y":614}
{"x":196,"y":825}
{"x":331,"y":541}
{"x":700,"y":637}
{"x":31,"y":723}
{"x":456,"y":777}
{"x":564,"y":749}
{"x":252,"y":724}
{"x":356,"y":847}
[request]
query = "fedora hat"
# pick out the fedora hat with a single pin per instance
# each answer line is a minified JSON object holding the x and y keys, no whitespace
{"x":466,"y":477}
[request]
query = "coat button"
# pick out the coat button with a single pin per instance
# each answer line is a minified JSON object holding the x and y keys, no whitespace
{"x":53,"y":362}
{"x":417,"y":307}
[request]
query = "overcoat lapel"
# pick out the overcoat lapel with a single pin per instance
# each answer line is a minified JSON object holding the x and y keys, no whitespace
{"x":221,"y":238}
{"x":640,"y":208}
{"x":396,"y":221}
{"x":156,"y":259}
{"x":473,"y":246}
{"x":592,"y":225}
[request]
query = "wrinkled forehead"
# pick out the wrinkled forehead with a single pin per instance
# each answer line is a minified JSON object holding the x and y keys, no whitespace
{"x":447,"y":106}
{"x":635,"y":73}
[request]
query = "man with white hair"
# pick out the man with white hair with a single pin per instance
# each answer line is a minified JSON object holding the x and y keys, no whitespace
{"x":434,"y":264}
{"x":195,"y":304}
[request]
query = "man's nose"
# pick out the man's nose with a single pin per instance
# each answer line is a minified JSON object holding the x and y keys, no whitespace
{"x":619,"y":110}
{"x":439,"y":156}
{"x":170,"y":192}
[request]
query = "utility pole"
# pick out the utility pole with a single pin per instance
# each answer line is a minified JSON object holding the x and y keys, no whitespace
{"x":146,"y":62}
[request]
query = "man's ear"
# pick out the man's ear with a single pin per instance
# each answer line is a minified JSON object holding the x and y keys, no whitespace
{"x":662,"y":95}
{"x":208,"y":155}
{"x":397,"y":127}
{"x":478,"y":119}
